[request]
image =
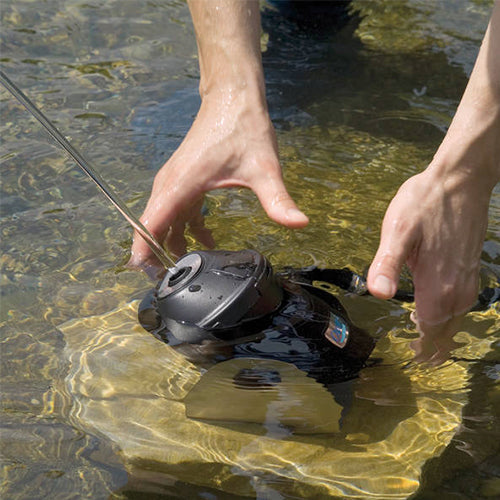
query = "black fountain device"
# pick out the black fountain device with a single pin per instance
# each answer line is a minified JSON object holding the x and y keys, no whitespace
{"x":217,"y":305}
{"x":210,"y":293}
{"x":220,"y":295}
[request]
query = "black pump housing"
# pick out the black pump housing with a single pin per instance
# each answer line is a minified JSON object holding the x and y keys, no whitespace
{"x":213,"y":294}
{"x":219,"y":305}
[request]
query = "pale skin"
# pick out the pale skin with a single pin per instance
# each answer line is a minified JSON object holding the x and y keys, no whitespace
{"x":436,"y":223}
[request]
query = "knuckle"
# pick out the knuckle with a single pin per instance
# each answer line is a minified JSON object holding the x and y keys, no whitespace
{"x":388,"y":263}
{"x":446,"y":297}
{"x":281,"y":197}
{"x":400,"y":226}
{"x":445,"y":301}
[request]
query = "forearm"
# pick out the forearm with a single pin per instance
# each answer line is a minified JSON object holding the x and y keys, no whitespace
{"x":228,"y":37}
{"x":471,"y":148}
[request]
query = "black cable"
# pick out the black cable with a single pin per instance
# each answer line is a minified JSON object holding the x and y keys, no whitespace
{"x":354,"y":283}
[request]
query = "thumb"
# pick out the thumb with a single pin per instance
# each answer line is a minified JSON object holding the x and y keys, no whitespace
{"x":277,"y":203}
{"x":393,"y":251}
{"x":158,"y":222}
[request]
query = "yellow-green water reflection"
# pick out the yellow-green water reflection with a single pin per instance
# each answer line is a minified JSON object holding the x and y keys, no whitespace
{"x":93,"y":405}
{"x":135,"y":392}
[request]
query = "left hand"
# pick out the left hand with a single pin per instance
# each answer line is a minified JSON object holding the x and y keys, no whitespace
{"x":437,"y":221}
{"x":436,"y":225}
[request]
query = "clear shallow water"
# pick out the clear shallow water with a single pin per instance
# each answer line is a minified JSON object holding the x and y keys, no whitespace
{"x":91,"y":403}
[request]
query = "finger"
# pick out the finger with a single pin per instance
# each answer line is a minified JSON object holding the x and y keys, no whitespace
{"x":440,"y":298}
{"x":200,"y":232}
{"x":435,"y":342}
{"x":157,"y":217}
{"x":175,"y":240}
{"x":151,"y":266}
{"x":397,"y":242}
{"x":277,"y":203}
{"x":168,"y":199}
{"x":140,"y":252}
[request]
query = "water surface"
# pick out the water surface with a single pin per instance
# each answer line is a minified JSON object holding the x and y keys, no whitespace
{"x":92,"y":405}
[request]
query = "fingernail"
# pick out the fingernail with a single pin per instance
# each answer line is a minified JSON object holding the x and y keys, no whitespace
{"x":132,"y":263}
{"x":295,"y":214}
{"x":150,"y":267}
{"x":384,"y":286}
{"x":413,"y":317}
{"x":135,"y":259}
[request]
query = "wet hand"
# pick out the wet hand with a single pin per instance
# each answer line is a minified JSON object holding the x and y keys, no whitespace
{"x":435,"y":342}
{"x":436,"y":225}
{"x":231,"y":143}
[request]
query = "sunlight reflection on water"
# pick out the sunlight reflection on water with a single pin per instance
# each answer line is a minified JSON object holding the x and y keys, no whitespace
{"x":91,"y":402}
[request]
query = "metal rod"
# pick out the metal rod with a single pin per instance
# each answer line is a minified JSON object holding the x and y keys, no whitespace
{"x":84,"y":164}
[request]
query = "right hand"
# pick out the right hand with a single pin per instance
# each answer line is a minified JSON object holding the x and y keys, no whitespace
{"x":231,"y":143}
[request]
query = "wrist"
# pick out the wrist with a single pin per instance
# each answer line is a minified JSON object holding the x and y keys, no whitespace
{"x":470,"y":151}
{"x":228,"y":38}
{"x":232,"y":82}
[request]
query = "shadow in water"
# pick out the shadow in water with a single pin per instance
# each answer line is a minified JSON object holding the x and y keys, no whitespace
{"x":319,"y":73}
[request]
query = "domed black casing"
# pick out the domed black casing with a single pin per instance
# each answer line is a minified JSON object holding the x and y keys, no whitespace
{"x":237,"y":308}
{"x":211,"y":293}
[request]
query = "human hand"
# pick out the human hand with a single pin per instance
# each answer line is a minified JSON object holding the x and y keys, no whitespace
{"x":436,"y":224}
{"x":231,"y":143}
